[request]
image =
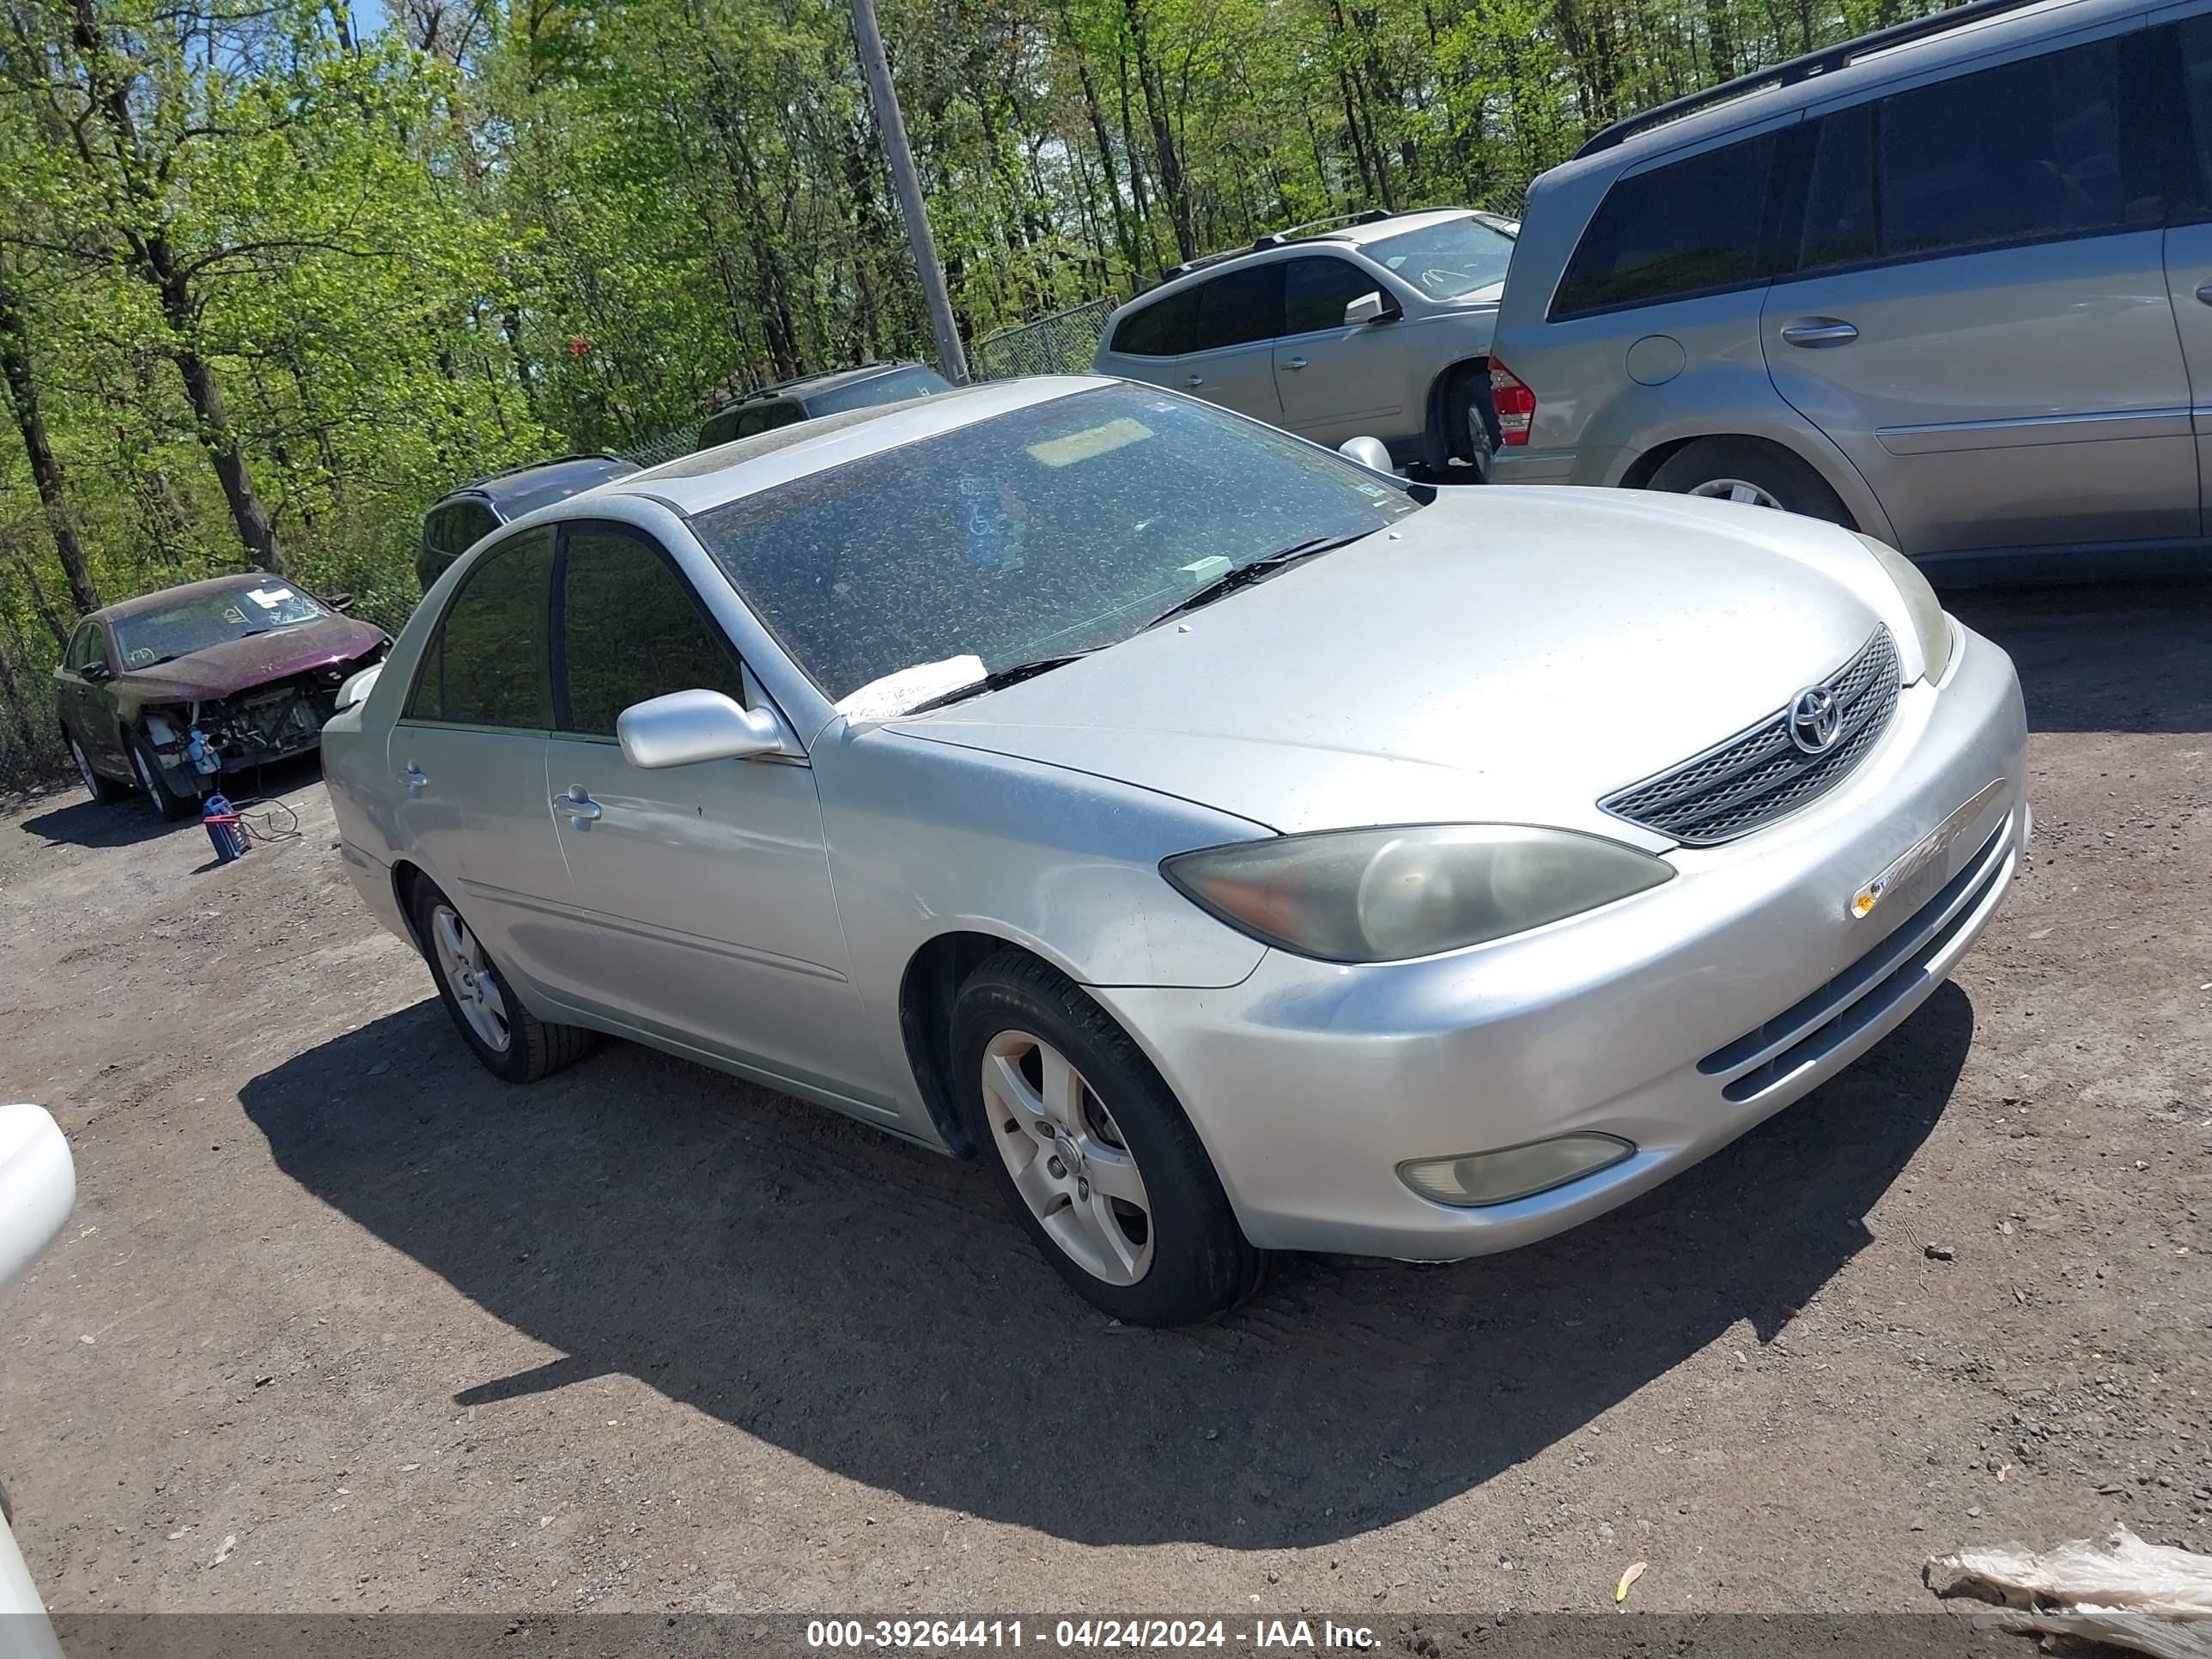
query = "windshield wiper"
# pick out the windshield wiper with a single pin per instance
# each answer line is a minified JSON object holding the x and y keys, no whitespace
{"x":999,"y":678}
{"x":1258,"y":570}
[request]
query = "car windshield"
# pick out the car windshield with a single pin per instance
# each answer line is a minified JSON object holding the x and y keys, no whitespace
{"x":1056,"y":528}
{"x":895,"y":388}
{"x":1448,"y":259}
{"x":179,"y":628}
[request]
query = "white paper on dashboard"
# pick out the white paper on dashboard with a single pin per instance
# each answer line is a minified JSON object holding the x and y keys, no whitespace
{"x":894,"y":694}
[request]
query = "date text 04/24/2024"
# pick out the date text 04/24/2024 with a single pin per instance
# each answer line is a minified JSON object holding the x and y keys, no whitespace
{"x":891,"y":1635}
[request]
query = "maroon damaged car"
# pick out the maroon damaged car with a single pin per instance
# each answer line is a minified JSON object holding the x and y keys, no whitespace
{"x":167,"y":691}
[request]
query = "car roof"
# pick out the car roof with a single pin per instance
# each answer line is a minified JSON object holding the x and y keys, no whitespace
{"x":728,"y":472}
{"x":573,"y":473}
{"x":166,"y":596}
{"x":808,"y":385}
{"x":1360,"y":234}
{"x":1837,"y":72}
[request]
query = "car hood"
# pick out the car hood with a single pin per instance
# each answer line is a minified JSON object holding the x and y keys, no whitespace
{"x":237,"y":665}
{"x":1501,"y":655}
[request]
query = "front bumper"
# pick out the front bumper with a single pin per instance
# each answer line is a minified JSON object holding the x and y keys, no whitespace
{"x":1676,"y":1020}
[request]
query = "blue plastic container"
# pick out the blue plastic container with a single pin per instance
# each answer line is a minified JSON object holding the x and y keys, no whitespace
{"x":224,"y":830}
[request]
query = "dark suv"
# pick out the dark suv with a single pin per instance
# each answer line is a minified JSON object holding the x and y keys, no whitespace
{"x":773,"y":406}
{"x":472,"y":512}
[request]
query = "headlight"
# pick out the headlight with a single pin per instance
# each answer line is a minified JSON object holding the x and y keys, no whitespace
{"x":1385,"y":895}
{"x":1930,"y":624}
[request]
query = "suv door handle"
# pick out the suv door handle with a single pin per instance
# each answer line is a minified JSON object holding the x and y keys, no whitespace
{"x":1296,"y":362}
{"x":2205,"y":294}
{"x":577,"y":803}
{"x":1819,"y":331}
{"x":1195,"y":380}
{"x":414,"y":777}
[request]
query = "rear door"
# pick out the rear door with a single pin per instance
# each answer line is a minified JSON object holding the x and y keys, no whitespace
{"x":1337,"y":382}
{"x":702,"y":908}
{"x":1214,"y":339}
{"x":468,"y":753}
{"x":1976,"y":314}
{"x":2189,"y":224}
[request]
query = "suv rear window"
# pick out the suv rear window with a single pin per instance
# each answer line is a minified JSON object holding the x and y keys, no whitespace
{"x":1691,"y":226}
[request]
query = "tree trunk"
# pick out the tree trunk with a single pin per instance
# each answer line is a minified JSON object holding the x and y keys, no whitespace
{"x":46,"y":470}
{"x":1169,"y":165}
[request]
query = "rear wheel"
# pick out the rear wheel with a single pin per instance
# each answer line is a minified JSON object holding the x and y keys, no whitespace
{"x":1754,"y":474}
{"x":1089,"y":1146}
{"x":171,"y":805}
{"x":1467,"y":417}
{"x":513,"y":1043}
{"x":104,"y":790}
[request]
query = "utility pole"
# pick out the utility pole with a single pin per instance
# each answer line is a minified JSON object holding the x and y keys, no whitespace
{"x":881,"y":94}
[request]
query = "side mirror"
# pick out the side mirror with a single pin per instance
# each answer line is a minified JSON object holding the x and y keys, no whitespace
{"x":1370,"y":453}
{"x":97,"y":672}
{"x":1376,"y":308}
{"x":686,"y":727}
{"x":37,"y":1185}
{"x":340,"y":603}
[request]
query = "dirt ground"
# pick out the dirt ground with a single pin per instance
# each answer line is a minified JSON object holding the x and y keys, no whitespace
{"x":342,"y":1323}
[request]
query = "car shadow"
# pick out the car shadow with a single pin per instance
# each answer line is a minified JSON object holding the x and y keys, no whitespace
{"x":75,"y":820}
{"x":870,"y":1306}
{"x":2104,"y":657}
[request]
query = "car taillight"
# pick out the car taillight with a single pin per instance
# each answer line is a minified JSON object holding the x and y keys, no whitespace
{"x":1515,"y":404}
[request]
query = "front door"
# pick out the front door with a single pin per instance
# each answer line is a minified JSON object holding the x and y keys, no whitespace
{"x":701,"y":909}
{"x":1337,"y":382}
{"x":1982,"y":323}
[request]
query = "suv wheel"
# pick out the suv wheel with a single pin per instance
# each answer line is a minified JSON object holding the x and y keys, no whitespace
{"x":1756,"y":474}
{"x":1090,"y":1148}
{"x":1469,"y":419}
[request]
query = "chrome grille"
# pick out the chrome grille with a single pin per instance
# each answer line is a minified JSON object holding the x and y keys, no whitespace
{"x":1760,"y":774}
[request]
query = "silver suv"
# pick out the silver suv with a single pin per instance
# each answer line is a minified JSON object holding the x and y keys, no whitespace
{"x":1950,"y":284}
{"x":1380,"y":327}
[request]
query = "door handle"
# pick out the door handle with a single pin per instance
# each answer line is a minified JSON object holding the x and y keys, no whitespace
{"x":414,"y":777}
{"x":1819,"y":331}
{"x":578,"y":804}
{"x":1195,"y":380}
{"x":2205,"y":294}
{"x":1296,"y":362}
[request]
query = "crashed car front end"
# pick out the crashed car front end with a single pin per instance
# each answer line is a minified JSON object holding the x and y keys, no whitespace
{"x":195,"y":742}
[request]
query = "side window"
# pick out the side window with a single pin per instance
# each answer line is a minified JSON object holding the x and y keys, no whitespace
{"x":2194,"y":37}
{"x":751,"y":424}
{"x":1691,"y":226}
{"x":489,"y":665}
{"x":1240,"y":308}
{"x":434,"y":533}
{"x":719,"y":429}
{"x":1315,"y":292}
{"x":1165,"y":328}
{"x":87,"y":648}
{"x":471,"y":522}
{"x":1840,"y":228}
{"x":2027,"y":150}
{"x":630,"y":629}
{"x":782,"y":415}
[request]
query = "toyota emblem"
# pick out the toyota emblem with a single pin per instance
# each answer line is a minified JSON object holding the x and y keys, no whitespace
{"x":1815,"y":721}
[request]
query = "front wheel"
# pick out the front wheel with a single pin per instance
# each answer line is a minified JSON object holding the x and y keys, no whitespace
{"x":1751,"y":473}
{"x":171,"y":805}
{"x":1089,"y":1146}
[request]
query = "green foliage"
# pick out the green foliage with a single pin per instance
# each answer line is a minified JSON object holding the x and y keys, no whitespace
{"x":259,"y":264}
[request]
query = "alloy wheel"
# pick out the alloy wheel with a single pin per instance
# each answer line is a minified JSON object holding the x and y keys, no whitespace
{"x":1735,"y":489}
{"x":1067,"y":1158}
{"x":468,"y":974}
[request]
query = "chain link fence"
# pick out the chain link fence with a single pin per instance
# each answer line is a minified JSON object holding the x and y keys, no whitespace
{"x":1062,"y":344}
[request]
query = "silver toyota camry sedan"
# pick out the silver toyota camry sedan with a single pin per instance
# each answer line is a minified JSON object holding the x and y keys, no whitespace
{"x":1235,"y":848}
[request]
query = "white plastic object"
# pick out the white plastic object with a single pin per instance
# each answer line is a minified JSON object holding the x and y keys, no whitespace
{"x":2152,"y":1598}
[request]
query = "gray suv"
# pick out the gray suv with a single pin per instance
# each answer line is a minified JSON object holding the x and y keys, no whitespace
{"x":1950,"y":284}
{"x":1379,"y":328}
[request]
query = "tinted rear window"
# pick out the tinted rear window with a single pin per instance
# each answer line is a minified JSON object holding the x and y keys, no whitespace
{"x":1691,"y":227}
{"x":1164,"y":328}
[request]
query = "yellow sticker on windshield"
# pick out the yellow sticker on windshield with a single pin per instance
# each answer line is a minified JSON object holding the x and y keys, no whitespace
{"x":1091,"y":440}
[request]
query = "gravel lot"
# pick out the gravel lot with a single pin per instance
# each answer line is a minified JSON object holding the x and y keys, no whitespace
{"x":341,"y":1323}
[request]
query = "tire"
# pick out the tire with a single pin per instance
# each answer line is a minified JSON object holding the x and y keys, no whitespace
{"x":513,"y":1043}
{"x":1470,"y":426}
{"x":171,"y":805}
{"x":1164,"y":1248}
{"x":105,"y":791}
{"x":1741,"y":469}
